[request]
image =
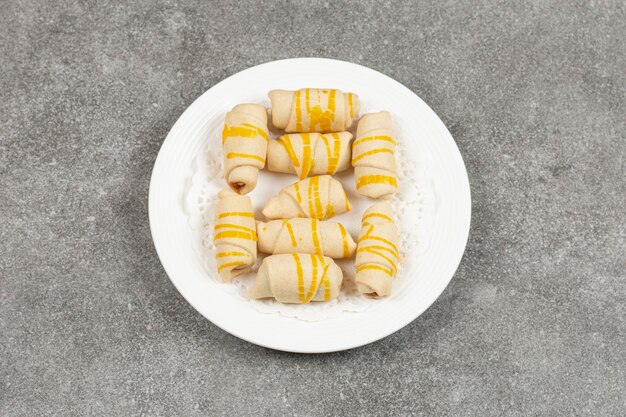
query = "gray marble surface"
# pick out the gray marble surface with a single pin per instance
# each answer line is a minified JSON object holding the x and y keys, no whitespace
{"x":533,"y":323}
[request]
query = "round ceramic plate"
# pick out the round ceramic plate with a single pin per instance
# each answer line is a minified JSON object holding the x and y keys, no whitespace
{"x":423,"y":277}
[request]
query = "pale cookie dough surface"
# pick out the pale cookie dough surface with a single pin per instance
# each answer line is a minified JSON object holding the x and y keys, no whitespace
{"x":317,"y":197}
{"x":326,"y":238}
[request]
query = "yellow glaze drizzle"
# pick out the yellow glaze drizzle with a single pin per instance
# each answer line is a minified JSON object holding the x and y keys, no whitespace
{"x":309,"y":146}
{"x":233,"y":234}
{"x":316,"y":239}
{"x":386,"y":258}
{"x":315,"y":202}
{"x":228,"y":265}
{"x":331,"y":101}
{"x":382,"y":239}
{"x":285,"y":140}
{"x":333,"y":154}
{"x":235,"y":213}
{"x":300,"y":275}
{"x":246,"y":130}
{"x":370,"y":153}
{"x":376,"y":179}
{"x":330,"y":211}
{"x":350,"y":105}
{"x":232,"y":155}
{"x":310,"y":199}
{"x":234,"y":226}
{"x":376,"y":267}
{"x":325,"y":280}
{"x":328,"y":153}
{"x":298,"y":111}
{"x":344,"y":237}
{"x":378,"y":247}
{"x":370,"y":138}
{"x":317,"y":115}
{"x":313,"y":287}
{"x":307,"y":100}
{"x":298,"y":196}
{"x":307,"y":159}
{"x":381,"y":215}
{"x":287,"y":225}
{"x":366,"y":235}
{"x":227,"y":254}
{"x":319,"y":210}
{"x":319,"y":277}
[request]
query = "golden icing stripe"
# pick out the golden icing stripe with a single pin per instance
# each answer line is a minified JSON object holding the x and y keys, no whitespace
{"x":344,"y":238}
{"x":234,"y":226}
{"x":235,"y":213}
{"x":310,"y":198}
{"x":389,"y":260}
{"x":227,"y":254}
{"x":370,"y":153}
{"x":376,"y":179}
{"x":325,"y":280}
{"x":229,"y":264}
{"x":382,"y":239}
{"x":333,"y":160}
{"x":366,"y":249}
{"x":330,"y":211}
{"x":297,"y":189}
{"x":291,"y":234}
{"x":328,"y":150}
{"x":260,"y":130}
{"x":232,"y":155}
{"x":315,"y":233}
{"x":370,"y":138}
{"x":331,"y":102}
{"x":246,"y":130}
{"x":300,"y":275}
{"x":374,"y":266}
{"x":322,"y":114}
{"x":313,"y":287}
{"x":233,"y":234}
{"x":366,"y":235}
{"x":347,"y":201}
{"x":315,"y":203}
{"x":307,"y":160}
{"x":307,"y":99}
{"x":381,"y":215}
{"x":350,"y":105}
{"x":285,"y":140}
{"x":319,"y":210}
{"x":298,"y":112}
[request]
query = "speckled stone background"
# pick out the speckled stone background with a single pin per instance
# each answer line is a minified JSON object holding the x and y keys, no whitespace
{"x":533,"y":322}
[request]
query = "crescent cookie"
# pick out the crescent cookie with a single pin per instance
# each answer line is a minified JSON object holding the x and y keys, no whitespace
{"x":305,"y":236}
{"x":316,"y":197}
{"x":313,"y":110}
{"x":373,"y":156}
{"x":308,"y":154}
{"x":235,"y":235}
{"x":297,"y":278}
{"x":377,"y":251}
{"x":244,"y":142}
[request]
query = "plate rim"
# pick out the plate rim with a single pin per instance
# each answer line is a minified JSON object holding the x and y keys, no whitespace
{"x":465,"y":213}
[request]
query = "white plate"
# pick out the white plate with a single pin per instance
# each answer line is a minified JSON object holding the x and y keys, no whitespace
{"x":423,"y":280}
